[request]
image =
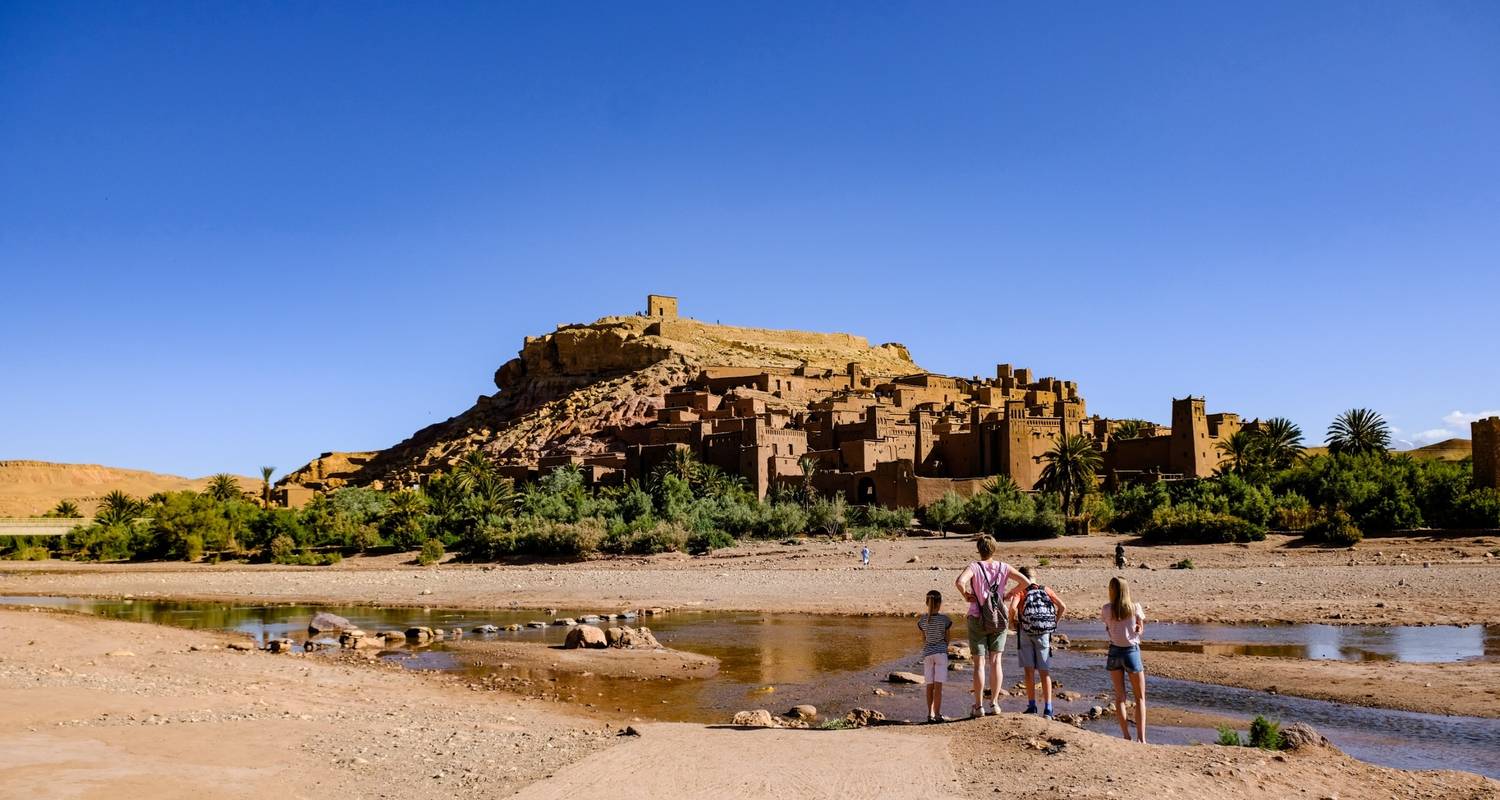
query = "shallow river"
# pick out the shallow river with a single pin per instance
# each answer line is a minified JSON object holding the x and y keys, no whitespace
{"x":775,"y":661}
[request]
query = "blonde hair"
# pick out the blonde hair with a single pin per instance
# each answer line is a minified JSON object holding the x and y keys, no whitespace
{"x":1119,"y":599}
{"x":986,"y":547}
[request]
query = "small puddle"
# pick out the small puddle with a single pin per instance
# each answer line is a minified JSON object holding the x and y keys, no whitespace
{"x":775,"y":661}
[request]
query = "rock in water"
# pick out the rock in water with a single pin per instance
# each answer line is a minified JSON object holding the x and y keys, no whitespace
{"x":803,"y":712}
{"x":419,"y":635}
{"x":324,"y":622}
{"x":1300,"y":735}
{"x":585,"y":636}
{"x":905,"y":677}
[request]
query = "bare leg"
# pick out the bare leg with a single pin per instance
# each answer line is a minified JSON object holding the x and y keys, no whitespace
{"x":1138,"y":687}
{"x":996,"y":680}
{"x":937,"y":701}
{"x":1118,"y":676}
{"x":1046,"y":687}
{"x":1030,"y":685}
{"x":979,"y":666}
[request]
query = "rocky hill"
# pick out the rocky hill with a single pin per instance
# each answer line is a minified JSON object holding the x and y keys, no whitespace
{"x":30,"y":488}
{"x":567,"y":391}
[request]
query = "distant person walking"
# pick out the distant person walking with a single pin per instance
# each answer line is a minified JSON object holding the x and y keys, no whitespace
{"x":1119,"y":555}
{"x":864,"y":555}
{"x":1038,"y":609}
{"x":934,"y":627}
{"x":983,"y":584}
{"x":1124,"y":620}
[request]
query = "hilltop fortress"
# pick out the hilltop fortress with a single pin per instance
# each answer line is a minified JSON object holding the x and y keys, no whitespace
{"x":617,"y":397}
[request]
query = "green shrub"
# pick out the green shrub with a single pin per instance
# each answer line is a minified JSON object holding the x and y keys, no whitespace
{"x":1336,"y":529}
{"x":664,"y":537}
{"x":1190,"y":525}
{"x":432,"y":553}
{"x":1044,"y":562}
{"x":828,"y":515}
{"x":704,"y":541}
{"x":944,"y":511}
{"x":1265,"y":734}
{"x":1292,"y":512}
{"x":881,"y":518}
{"x":1229,"y":737}
{"x":782,"y":520}
{"x":282,"y":549}
{"x":1135,"y":504}
{"x":1479,"y":508}
{"x":30,"y":552}
{"x":192,"y":547}
{"x":552,"y":538}
{"x":1186,"y":563}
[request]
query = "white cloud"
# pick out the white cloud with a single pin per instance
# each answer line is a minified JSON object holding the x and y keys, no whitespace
{"x":1461,"y":419}
{"x":1432,"y":435}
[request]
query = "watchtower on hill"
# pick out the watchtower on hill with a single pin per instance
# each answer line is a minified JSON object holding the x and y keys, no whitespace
{"x":660,"y":305}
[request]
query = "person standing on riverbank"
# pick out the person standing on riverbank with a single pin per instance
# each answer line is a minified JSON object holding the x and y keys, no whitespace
{"x":1124,"y":620}
{"x":934,"y":627}
{"x":983,"y":583}
{"x":1038,"y":609}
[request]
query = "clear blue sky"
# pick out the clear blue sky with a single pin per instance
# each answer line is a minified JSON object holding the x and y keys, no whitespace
{"x":235,"y":234}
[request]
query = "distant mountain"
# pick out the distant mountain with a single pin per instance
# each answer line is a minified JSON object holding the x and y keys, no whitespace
{"x":31,"y":488}
{"x":1446,"y":450}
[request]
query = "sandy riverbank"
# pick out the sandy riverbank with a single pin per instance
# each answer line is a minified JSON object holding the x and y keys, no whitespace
{"x":100,"y":708}
{"x":1387,"y":581}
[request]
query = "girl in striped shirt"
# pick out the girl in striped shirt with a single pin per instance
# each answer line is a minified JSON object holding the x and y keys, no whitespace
{"x":934,"y":628}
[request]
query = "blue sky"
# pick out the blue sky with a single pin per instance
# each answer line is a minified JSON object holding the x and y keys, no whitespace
{"x":235,"y":234}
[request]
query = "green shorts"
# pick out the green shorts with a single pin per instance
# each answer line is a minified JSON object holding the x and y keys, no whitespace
{"x":981,"y":643}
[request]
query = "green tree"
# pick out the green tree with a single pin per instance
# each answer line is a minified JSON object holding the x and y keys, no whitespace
{"x":118,"y":509}
{"x":1281,"y":441}
{"x":1358,"y":431}
{"x":265,"y":486}
{"x":1068,"y":470}
{"x":1131,"y":429}
{"x":224,"y":487}
{"x":1242,"y":452}
{"x":473,"y":468}
{"x":944,"y":511}
{"x":65,"y":509}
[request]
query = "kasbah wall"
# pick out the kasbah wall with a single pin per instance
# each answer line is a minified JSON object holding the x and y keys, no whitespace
{"x":893,"y":440}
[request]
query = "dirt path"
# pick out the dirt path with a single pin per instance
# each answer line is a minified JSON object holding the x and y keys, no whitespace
{"x":1394,"y":581}
{"x":675,"y":760}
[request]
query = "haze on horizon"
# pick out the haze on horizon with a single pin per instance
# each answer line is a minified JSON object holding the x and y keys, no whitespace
{"x":234,"y":235}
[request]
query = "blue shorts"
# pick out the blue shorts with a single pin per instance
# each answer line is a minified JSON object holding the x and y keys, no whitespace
{"x":1125,"y":658}
{"x":1034,"y":650}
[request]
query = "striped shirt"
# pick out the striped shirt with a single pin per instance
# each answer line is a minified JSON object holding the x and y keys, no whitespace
{"x":935,"y":628}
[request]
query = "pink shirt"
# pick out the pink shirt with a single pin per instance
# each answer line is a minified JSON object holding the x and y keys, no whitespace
{"x":986,"y":574}
{"x":1122,"y":632}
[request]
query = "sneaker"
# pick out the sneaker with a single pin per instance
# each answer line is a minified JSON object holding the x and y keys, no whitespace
{"x":1047,"y":712}
{"x":1030,"y":708}
{"x":975,"y":712}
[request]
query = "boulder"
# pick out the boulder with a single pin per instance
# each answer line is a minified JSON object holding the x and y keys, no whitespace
{"x":394,"y":637}
{"x":350,"y":639}
{"x":905,"y":677}
{"x":863,"y":717}
{"x":241,"y":646}
{"x":483,"y":630}
{"x":803,"y":712}
{"x":324,"y":622}
{"x":759,"y":718}
{"x":958,"y":651}
{"x":514,"y":626}
{"x":536,"y":623}
{"x":1300,"y":735}
{"x":280,"y":646}
{"x":456,"y":633}
{"x":565,"y":621}
{"x":585,"y":636}
{"x":589,"y":619}
{"x":631,"y":638}
{"x":419,"y":635}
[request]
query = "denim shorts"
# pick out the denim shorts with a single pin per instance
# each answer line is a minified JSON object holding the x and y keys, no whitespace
{"x":1034,"y":650}
{"x":1125,"y":658}
{"x":981,"y":643}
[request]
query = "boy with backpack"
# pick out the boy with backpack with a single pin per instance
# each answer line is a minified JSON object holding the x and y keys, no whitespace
{"x":984,"y":584}
{"x":1036,"y":610}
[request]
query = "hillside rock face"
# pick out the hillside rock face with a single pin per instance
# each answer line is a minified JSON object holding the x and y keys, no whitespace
{"x":568,"y":392}
{"x":34,"y":487}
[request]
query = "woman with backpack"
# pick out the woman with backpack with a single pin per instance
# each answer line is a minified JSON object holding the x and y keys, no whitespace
{"x":984,"y":584}
{"x":1038,"y":609}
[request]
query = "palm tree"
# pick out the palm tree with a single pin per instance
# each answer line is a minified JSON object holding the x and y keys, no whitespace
{"x":1281,"y":441}
{"x":1357,"y":431}
{"x":265,"y":486}
{"x":65,"y":509}
{"x":472,"y":468}
{"x":224,"y":487}
{"x":1130,"y":429}
{"x":1069,"y":470}
{"x":117,"y":508}
{"x":1242,"y":453}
